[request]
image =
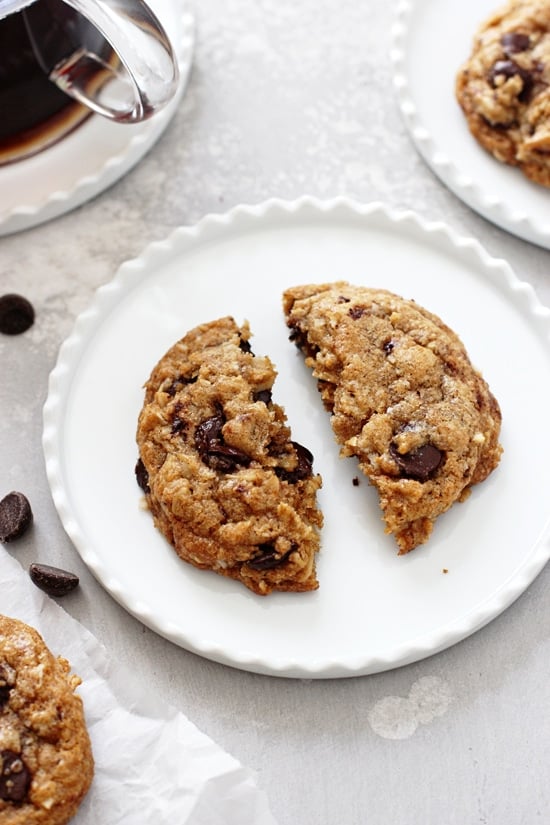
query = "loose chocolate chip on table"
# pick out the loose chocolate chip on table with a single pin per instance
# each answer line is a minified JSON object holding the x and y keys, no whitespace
{"x":15,"y":516}
{"x":15,"y":777}
{"x":419,"y":464}
{"x":53,"y":580}
{"x":514,"y":42}
{"x":142,"y":476}
{"x":16,"y":314}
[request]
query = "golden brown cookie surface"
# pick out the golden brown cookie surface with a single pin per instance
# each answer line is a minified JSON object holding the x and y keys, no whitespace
{"x":504,"y":87}
{"x":225,"y":483}
{"x":403,"y":397}
{"x":46,"y":763}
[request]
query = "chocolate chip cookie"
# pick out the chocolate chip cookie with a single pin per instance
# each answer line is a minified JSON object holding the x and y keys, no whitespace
{"x":504,"y":87}
{"x":46,"y":763}
{"x":226,"y":484}
{"x":403,"y":396}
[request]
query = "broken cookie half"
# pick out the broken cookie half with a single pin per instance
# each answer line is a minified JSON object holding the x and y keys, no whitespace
{"x":226,"y":484}
{"x":404,"y":399}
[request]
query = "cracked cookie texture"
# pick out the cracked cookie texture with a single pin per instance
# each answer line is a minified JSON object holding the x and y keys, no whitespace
{"x":404,"y":399}
{"x":46,"y":762}
{"x":504,"y":87}
{"x":223,"y":479}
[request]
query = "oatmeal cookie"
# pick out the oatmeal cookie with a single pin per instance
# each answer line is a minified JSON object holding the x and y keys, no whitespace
{"x":46,"y":763}
{"x":403,"y":397}
{"x":225,"y":483}
{"x":504,"y":87}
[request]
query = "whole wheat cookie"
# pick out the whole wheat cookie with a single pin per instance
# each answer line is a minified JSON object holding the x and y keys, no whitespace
{"x":46,"y":762}
{"x":225,"y":483}
{"x":403,"y":397}
{"x":504,"y":87}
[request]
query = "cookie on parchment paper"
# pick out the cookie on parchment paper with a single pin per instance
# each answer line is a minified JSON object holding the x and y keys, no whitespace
{"x":46,"y":761}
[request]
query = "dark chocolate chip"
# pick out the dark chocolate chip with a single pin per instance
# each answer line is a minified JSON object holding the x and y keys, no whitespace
{"x":268,"y":558}
{"x":142,"y":476}
{"x":263,"y":395}
{"x":214,"y":452}
{"x":419,"y":464}
{"x":343,"y":300}
{"x":388,"y":347}
{"x":15,"y":777}
{"x":53,"y":580}
{"x":356,"y":312}
{"x":355,"y":481}
{"x":245,"y":346}
{"x":16,"y":314}
{"x":178,"y":425}
{"x":508,"y":69}
{"x":180,"y":382}
{"x":5,"y":686}
{"x":15,"y":516}
{"x":515,"y":42}
{"x":303,"y":469}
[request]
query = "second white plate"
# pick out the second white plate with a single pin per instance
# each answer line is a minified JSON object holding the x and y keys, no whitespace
{"x":426,"y":59}
{"x":374,"y":610}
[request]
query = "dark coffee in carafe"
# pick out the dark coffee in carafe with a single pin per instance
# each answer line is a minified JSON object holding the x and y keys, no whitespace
{"x":34,"y":112}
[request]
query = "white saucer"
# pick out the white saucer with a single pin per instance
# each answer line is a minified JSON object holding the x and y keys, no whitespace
{"x":374,"y":609}
{"x":96,"y":154}
{"x":431,"y":40}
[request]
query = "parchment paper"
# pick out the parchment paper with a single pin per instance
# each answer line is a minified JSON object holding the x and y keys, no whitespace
{"x":152,"y":765}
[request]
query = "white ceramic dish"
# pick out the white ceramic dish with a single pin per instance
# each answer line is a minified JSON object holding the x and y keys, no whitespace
{"x":431,"y":40}
{"x":374,"y":610}
{"x":96,"y":154}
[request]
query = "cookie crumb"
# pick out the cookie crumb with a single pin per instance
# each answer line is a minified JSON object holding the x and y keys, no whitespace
{"x":445,"y":570}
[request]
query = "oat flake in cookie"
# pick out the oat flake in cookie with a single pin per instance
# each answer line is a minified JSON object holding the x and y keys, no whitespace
{"x":225,"y":483}
{"x":403,"y":397}
{"x":46,"y":763}
{"x":504,"y":87}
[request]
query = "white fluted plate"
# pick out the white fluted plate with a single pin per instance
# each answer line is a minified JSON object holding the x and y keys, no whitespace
{"x":431,"y":39}
{"x":97,"y":153}
{"x":374,"y":610}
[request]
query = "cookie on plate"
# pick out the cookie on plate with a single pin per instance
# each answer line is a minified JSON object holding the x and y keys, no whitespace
{"x":225,"y":483}
{"x":46,"y":762}
{"x":504,"y":87}
{"x":403,"y":396}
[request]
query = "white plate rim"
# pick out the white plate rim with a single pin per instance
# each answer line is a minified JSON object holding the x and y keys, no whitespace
{"x":86,"y":186}
{"x":107,"y":297}
{"x":487,"y":204}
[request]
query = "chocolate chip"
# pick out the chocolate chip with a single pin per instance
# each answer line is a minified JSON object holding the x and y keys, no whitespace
{"x":508,"y":69}
{"x":355,"y":481}
{"x":15,"y":516}
{"x":263,"y":395}
{"x":388,"y":347}
{"x":53,"y":580}
{"x":142,"y":476}
{"x":214,"y":452}
{"x":16,"y":314}
{"x":420,"y":463}
{"x":356,"y":312}
{"x":178,"y":425}
{"x":5,"y":685}
{"x":268,"y":558}
{"x":303,"y":469}
{"x":179,"y":382}
{"x":15,"y":777}
{"x":515,"y":42}
{"x":245,"y":346}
